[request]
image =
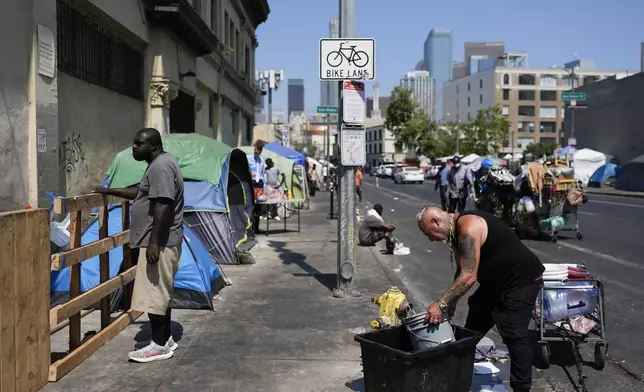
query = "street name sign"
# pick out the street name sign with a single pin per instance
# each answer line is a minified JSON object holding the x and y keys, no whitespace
{"x":327,"y":109}
{"x":573,"y":96}
{"x":353,"y":145}
{"x":352,"y":59}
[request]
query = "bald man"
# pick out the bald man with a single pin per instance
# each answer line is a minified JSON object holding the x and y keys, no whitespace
{"x":509,"y":275}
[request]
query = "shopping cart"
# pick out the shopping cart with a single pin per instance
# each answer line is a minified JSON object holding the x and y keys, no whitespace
{"x":563,"y":307}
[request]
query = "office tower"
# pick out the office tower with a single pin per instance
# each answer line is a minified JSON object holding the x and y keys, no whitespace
{"x":438,"y":61}
{"x":260,"y":110}
{"x":459,"y":70}
{"x":476,"y":51}
{"x":422,"y":87}
{"x":329,"y":90}
{"x":295,"y":95}
{"x":420,"y":66}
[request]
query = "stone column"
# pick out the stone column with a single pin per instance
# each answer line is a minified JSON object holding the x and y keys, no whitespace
{"x":162,"y":92}
{"x":217,"y":108}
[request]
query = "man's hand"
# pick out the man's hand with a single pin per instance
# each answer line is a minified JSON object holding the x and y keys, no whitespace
{"x":434,"y":314}
{"x":102,"y":190}
{"x":276,"y":187}
{"x":152,"y":254}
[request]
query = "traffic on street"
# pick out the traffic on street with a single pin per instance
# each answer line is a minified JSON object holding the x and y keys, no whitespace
{"x":611,"y":249}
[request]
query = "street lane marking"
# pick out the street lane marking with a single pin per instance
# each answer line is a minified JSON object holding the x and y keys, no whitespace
{"x":616,"y":203}
{"x":400,"y":194}
{"x":604,"y":256}
{"x":587,"y":213}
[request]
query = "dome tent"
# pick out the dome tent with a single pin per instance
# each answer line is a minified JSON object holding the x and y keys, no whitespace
{"x":631,"y":176}
{"x":603,"y":174}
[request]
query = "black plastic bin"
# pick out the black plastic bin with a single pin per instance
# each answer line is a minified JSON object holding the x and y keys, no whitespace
{"x":390,"y":363}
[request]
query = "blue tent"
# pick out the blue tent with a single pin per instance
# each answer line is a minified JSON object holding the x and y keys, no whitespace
{"x":602,"y":174}
{"x":196,"y":282}
{"x":286,"y":152}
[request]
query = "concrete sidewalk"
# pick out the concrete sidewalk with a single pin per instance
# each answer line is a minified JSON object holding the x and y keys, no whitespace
{"x":278,"y":328}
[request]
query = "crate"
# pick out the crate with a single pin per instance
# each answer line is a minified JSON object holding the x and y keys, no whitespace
{"x":391,"y":365}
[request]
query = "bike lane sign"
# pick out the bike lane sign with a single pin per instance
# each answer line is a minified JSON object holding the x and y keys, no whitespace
{"x":347,"y":59}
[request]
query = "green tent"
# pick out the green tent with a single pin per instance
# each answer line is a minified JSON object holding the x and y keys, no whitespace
{"x":199,"y":157}
{"x":292,"y":181}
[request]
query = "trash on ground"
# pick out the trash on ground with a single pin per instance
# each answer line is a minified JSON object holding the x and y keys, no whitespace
{"x":485,"y":368}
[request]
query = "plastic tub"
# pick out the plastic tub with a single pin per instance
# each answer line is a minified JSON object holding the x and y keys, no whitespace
{"x":569,"y":299}
{"x":390,"y":363}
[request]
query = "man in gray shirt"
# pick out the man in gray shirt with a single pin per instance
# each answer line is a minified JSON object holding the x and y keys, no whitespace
{"x":156,"y":232}
{"x":457,"y":189}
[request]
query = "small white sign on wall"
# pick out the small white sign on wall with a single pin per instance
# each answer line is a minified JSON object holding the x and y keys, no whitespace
{"x":42,"y":140}
{"x":46,"y":52}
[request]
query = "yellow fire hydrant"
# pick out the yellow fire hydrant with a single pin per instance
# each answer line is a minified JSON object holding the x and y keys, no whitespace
{"x":393,"y":307}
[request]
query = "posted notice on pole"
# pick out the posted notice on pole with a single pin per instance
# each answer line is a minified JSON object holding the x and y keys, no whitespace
{"x":354,"y":107}
{"x":353,"y":146}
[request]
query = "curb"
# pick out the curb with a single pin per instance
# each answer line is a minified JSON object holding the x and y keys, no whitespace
{"x":637,"y":195}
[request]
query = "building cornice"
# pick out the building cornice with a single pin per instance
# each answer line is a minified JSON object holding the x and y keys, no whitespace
{"x":257,"y":11}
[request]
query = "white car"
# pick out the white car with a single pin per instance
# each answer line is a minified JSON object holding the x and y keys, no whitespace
{"x":386,"y":172}
{"x":409,"y":174}
{"x":432,"y":172}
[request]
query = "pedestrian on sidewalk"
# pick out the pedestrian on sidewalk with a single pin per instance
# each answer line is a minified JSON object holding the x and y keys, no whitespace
{"x":373,"y":229}
{"x":442,"y":184}
{"x":156,"y":232}
{"x":457,"y":191}
{"x":359,"y":177}
{"x":275,"y":178}
{"x":509,"y":276}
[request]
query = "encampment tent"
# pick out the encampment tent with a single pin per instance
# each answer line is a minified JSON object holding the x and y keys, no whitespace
{"x":218,"y":196}
{"x":603,"y":174}
{"x":287,"y":165}
{"x":586,"y":162}
{"x":289,"y":153}
{"x":196,"y":282}
{"x":631,"y":176}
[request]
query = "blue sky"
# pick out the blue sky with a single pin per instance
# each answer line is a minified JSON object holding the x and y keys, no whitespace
{"x":552,"y":32}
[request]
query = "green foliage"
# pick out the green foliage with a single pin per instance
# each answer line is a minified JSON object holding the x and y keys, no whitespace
{"x":310,"y":148}
{"x":540,"y":149}
{"x":485,"y":134}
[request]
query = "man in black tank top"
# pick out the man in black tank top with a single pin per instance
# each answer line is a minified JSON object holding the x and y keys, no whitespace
{"x":509,"y":275}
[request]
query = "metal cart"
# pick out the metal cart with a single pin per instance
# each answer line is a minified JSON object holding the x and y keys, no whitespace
{"x":549,"y":331}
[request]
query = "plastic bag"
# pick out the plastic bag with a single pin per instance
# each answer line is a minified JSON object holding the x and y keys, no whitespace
{"x":59,"y":233}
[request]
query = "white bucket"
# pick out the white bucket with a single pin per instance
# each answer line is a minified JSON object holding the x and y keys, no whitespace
{"x":424,"y":336}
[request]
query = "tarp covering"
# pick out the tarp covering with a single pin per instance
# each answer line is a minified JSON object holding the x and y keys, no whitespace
{"x":289,"y":153}
{"x":631,"y":176}
{"x":601,"y":175}
{"x":586,"y":162}
{"x":285,"y":164}
{"x":196,"y":282}
{"x":199,"y":157}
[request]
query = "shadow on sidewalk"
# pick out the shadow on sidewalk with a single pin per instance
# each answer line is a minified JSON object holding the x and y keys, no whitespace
{"x":289,"y":257}
{"x":144,"y":335}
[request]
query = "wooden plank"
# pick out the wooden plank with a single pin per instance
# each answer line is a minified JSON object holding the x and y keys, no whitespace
{"x":61,"y":312}
{"x":41,"y":356}
{"x":127,"y":254}
{"x":104,"y":267}
{"x":7,"y":326}
{"x":63,"y":366}
{"x":78,"y":255}
{"x":83,"y":202}
{"x":22,"y":253}
{"x":74,"y":282}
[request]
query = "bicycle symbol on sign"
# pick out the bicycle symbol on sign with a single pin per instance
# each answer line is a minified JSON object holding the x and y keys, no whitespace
{"x":359,"y":58}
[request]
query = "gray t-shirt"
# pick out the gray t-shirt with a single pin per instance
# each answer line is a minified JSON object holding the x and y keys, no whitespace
{"x":369,"y":223}
{"x":456,"y":179}
{"x":162,"y":179}
{"x":273,"y":176}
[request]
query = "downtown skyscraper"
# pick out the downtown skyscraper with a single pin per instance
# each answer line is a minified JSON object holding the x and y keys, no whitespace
{"x":295,"y":96}
{"x":421,"y":85}
{"x":329,"y":90}
{"x":438,"y":61}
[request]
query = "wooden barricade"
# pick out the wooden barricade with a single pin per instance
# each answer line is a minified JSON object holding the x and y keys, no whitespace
{"x":24,"y":300}
{"x":71,"y":310}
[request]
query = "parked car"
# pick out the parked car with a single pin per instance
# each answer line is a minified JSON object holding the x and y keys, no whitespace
{"x":397,"y":168}
{"x":408,"y":174}
{"x":432,"y":172}
{"x":387,"y":172}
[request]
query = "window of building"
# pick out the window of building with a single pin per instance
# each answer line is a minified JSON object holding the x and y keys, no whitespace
{"x":527,"y":80}
{"x":549,"y":140}
{"x":506,"y":79}
{"x":506,"y":142}
{"x":248,"y":74}
{"x":548,"y":112}
{"x":506,"y":110}
{"x":226,"y":30}
{"x":590,"y":79}
{"x":569,"y":81}
{"x":469,"y":117}
{"x":524,"y":141}
{"x":94,"y":53}
{"x":456,"y":89}
{"x":237,"y":50}
{"x":506,"y":94}
{"x":548,"y":127}
{"x":526,"y":111}
{"x":231,"y":35}
{"x":468,"y":101}
{"x":481,"y":83}
{"x":380,"y":148}
{"x":548,"y":95}
{"x":380,"y":134}
{"x":468,"y":87}
{"x":481,"y":98}
{"x":525,"y":126}
{"x":548,"y":81}
{"x":526,"y":95}
{"x":214,"y":13}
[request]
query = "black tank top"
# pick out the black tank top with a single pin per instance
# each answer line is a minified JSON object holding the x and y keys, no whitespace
{"x":505,"y":262}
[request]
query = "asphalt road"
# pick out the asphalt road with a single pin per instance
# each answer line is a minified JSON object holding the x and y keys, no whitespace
{"x":612,"y":249}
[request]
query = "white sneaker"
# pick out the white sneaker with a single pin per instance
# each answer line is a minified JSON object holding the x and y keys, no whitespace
{"x":401,"y":250}
{"x":277,"y":218}
{"x":172,"y":344}
{"x":151,"y":352}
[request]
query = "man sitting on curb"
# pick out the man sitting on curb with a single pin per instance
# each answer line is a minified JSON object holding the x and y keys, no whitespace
{"x":373,"y":229}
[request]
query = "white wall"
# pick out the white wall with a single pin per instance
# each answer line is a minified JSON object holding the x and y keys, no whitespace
{"x":455,"y":95}
{"x":129,"y":14}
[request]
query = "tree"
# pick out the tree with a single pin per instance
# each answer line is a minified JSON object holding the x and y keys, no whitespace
{"x":540,"y":149}
{"x":405,"y":119}
{"x":310,"y":148}
{"x":486,"y":133}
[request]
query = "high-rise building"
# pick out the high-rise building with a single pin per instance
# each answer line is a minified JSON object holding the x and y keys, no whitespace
{"x":477,"y":51}
{"x":295,"y":96}
{"x":329,"y":90}
{"x":459,"y":70}
{"x":260,"y":110}
{"x":422,"y":87}
{"x":420,"y":66}
{"x":438,"y":61}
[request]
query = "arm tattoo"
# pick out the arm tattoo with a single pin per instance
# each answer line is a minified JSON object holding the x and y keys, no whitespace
{"x":467,"y":252}
{"x":467,"y":256}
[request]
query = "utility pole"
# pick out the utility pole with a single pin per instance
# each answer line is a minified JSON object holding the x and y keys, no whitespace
{"x":346,"y":180}
{"x":573,"y":77}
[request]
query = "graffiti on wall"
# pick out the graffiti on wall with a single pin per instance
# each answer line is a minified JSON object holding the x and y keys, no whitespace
{"x":72,"y":158}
